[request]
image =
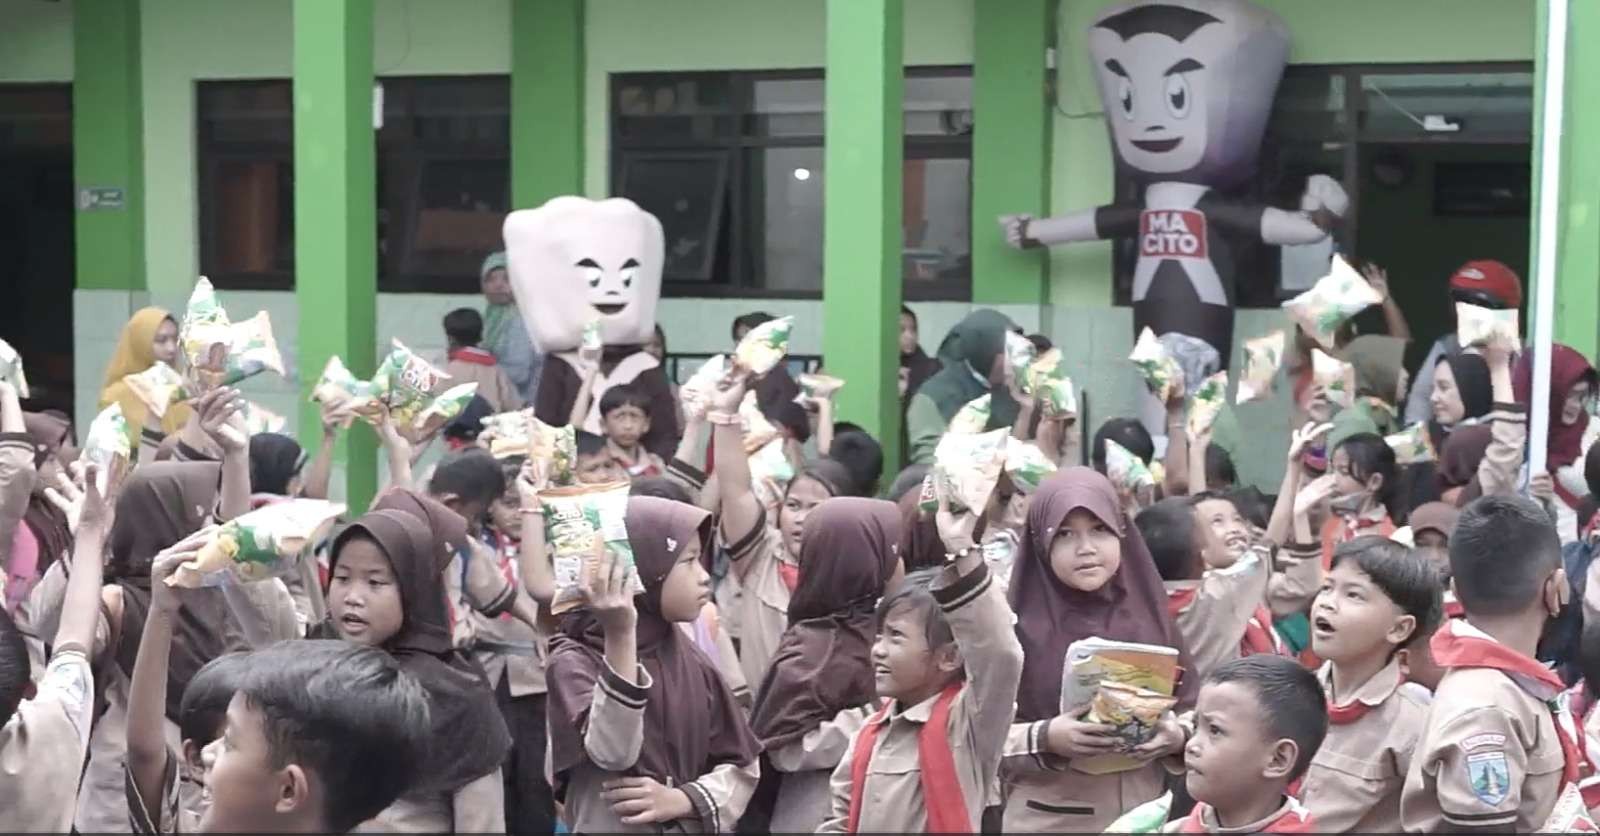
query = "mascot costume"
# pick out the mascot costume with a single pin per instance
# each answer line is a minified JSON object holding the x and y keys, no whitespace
{"x":1187,"y":86}
{"x":574,"y":261}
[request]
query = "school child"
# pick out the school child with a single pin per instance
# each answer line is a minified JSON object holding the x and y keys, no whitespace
{"x":1257,"y":726}
{"x":1215,"y":596}
{"x":320,"y":737}
{"x":1377,"y":598}
{"x":949,"y":669}
{"x":1084,"y":571}
{"x":594,"y":464}
{"x":625,"y":415}
{"x":643,"y":732}
{"x":385,"y":591}
{"x":817,"y":691}
{"x":468,"y":363}
{"x":1497,"y":749}
{"x":1361,"y":492}
{"x":44,"y":739}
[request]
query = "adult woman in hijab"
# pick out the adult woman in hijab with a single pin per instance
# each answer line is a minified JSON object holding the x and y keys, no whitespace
{"x":973,"y":358}
{"x":1380,"y":379}
{"x":1572,"y":387}
{"x":150,"y":336}
{"x":1085,"y":571}
{"x":386,"y":590}
{"x":504,"y":332}
{"x":671,"y":724}
{"x":816,"y":693}
{"x":1463,"y":395}
{"x":1476,"y":390}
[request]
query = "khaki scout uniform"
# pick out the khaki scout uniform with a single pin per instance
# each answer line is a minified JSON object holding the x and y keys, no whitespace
{"x":1355,"y":780}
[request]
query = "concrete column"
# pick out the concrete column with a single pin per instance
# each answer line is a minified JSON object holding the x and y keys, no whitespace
{"x":108,"y":145}
{"x":547,"y":75}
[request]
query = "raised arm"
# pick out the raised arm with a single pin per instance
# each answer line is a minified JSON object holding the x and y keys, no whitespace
{"x":17,"y":473}
{"x":538,"y":576}
{"x":320,"y":471}
{"x":1394,"y":319}
{"x":397,"y":450}
{"x":1279,"y":527}
{"x":741,"y":510}
{"x":1501,"y":466}
{"x":1180,"y":459}
{"x":589,"y":366}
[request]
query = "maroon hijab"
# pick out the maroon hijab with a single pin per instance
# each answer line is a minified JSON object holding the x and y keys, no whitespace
{"x":1568,"y":368}
{"x":823,"y":664}
{"x":692,"y":723}
{"x":1458,"y":461}
{"x":1132,"y":606}
{"x":48,"y":524}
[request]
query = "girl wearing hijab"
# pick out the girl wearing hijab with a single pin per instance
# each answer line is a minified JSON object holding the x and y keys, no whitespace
{"x":817,"y":692}
{"x":386,"y":590}
{"x":973,"y":358}
{"x":1380,"y":379}
{"x":150,"y":336}
{"x":1085,"y":571}
{"x":1572,"y":388}
{"x":644,"y":734}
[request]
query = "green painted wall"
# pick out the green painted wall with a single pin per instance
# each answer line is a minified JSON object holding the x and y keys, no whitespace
{"x":107,"y":144}
{"x":547,"y":85}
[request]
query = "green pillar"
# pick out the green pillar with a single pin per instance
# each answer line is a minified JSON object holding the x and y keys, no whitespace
{"x":1577,"y":308}
{"x":547,"y":75}
{"x":1010,"y":146}
{"x":861,"y":263}
{"x":108,"y":145}
{"x":335,"y":223}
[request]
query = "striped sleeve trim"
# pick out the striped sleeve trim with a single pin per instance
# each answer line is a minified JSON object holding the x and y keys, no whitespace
{"x":704,"y":806}
{"x":501,"y":603}
{"x":18,"y":440}
{"x":687,"y":472}
{"x":1036,"y":733}
{"x":1302,"y":550}
{"x":1513,"y":412}
{"x":151,"y":436}
{"x":625,"y":693}
{"x":747,"y":544}
{"x":964,"y":591}
{"x":1480,"y":819}
{"x":185,"y":453}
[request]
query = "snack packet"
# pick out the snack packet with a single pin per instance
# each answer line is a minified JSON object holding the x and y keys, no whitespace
{"x":1026,"y":465}
{"x":1335,"y":377}
{"x":1148,"y":817}
{"x":404,"y":384}
{"x":1198,"y":359}
{"x":1571,"y":813}
{"x":1125,"y":470}
{"x":1047,"y":381}
{"x":1020,"y":355}
{"x":574,"y":518}
{"x":591,"y":339}
{"x":157,"y":387}
{"x":1207,"y":403}
{"x":205,"y":334}
{"x":521,"y":433}
{"x":758,"y":430}
{"x":966,"y":468}
{"x":817,"y":387}
{"x":1335,"y":298}
{"x":1412,"y":445}
{"x":11,"y":369}
{"x":764,"y":346}
{"x":339,"y":388}
{"x":107,"y":443}
{"x":1133,"y":712}
{"x":972,"y":418}
{"x":447,"y":405}
{"x":259,"y":545}
{"x":1484,"y":326}
{"x":251,"y":350}
{"x":1161,"y":373}
{"x":258,"y":419}
{"x":770,"y":467}
{"x":1262,"y":357}
{"x":695,"y":393}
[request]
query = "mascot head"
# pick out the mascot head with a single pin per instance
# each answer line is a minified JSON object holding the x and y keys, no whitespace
{"x":575,"y":260}
{"x":1187,"y":85}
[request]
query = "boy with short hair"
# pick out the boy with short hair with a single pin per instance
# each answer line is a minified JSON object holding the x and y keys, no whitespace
{"x":322,"y":736}
{"x":1374,"y":601}
{"x":625,"y":415}
{"x":949,"y":664}
{"x":1492,"y":756}
{"x":466,"y":362}
{"x":173,"y":780}
{"x":594,"y":464}
{"x":1257,"y":725}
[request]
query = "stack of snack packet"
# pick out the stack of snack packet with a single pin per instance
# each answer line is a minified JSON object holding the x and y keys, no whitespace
{"x":106,"y":445}
{"x":259,"y":545}
{"x":1331,"y":302}
{"x":11,"y":369}
{"x":1160,"y":370}
{"x":1262,"y":358}
{"x":1486,"y":326}
{"x":1207,"y":404}
{"x":402,"y":388}
{"x":220,"y":352}
{"x":1124,"y":683}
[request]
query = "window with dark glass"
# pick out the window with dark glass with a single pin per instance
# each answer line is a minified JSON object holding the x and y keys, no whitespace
{"x":732,"y":164}
{"x":443,"y":159}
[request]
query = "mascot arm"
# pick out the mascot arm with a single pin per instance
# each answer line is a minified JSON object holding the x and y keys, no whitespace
{"x":1027,"y":232}
{"x":1323,"y":203}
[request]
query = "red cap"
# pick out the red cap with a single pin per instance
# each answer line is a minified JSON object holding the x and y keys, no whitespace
{"x":1491,"y":277}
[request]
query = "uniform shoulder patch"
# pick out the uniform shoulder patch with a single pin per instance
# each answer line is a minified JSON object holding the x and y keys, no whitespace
{"x":1484,"y":741}
{"x":1489,"y":775}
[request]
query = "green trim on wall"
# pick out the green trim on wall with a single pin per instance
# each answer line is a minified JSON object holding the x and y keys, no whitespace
{"x":1010,"y":147}
{"x":335,"y":219}
{"x":861,"y":225}
{"x":108,"y":145}
{"x":1577,"y":315}
{"x":547,"y":82}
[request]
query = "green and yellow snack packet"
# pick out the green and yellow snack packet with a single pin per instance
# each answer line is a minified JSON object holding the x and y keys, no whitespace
{"x":158,"y":387}
{"x":1412,"y":445}
{"x":1026,"y":465}
{"x":966,"y":467}
{"x":1046,"y":380}
{"x":1262,"y":357}
{"x":258,"y":545}
{"x":1331,"y":302}
{"x":1020,"y":354}
{"x":1484,"y":326}
{"x":1125,"y":470}
{"x":404,"y":383}
{"x":574,"y":517}
{"x":338,"y":388}
{"x":764,"y":346}
{"x":107,"y":443}
{"x":1206,"y":405}
{"x":1160,"y":370}
{"x":819,"y":387}
{"x":971,"y":418}
{"x":1335,"y":378}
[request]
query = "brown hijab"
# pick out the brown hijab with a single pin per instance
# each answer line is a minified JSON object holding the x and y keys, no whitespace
{"x":1132,"y":606}
{"x":1463,"y":451}
{"x":47,"y":523}
{"x":692,"y":723}
{"x":469,"y":737}
{"x":919,"y":534}
{"x":162,"y":503}
{"x":823,"y":664}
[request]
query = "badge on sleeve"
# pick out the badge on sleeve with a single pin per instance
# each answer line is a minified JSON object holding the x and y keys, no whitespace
{"x":1490,"y":776}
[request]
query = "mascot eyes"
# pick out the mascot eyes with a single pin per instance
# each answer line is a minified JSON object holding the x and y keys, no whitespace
{"x":1178,"y":95}
{"x":591,"y":272}
{"x":627,"y":275}
{"x":1125,"y":96}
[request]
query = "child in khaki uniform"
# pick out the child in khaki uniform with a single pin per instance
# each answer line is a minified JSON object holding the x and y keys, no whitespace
{"x":1377,"y":597}
{"x":1492,"y":753}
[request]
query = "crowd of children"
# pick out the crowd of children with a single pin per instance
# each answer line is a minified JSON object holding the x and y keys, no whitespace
{"x":1394,"y":642}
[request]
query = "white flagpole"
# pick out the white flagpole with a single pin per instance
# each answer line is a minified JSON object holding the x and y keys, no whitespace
{"x":1544,"y":271}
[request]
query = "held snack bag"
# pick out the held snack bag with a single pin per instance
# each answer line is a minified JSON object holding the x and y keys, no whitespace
{"x":1412,"y":445}
{"x":695,"y":393}
{"x":258,"y":419}
{"x":259,"y":545}
{"x":764,"y":346}
{"x":1329,"y":303}
{"x":1484,"y":326}
{"x":1207,"y":403}
{"x":252,"y":349}
{"x":574,"y":519}
{"x":1132,"y":711}
{"x":404,"y":383}
{"x":1026,"y":465}
{"x":1334,"y":377}
{"x":106,"y":444}
{"x":446,"y":406}
{"x":339,"y":388}
{"x":11,"y":369}
{"x":591,"y":339}
{"x":1125,"y":470}
{"x":1262,"y":357}
{"x":971,"y":418}
{"x":1047,"y":381}
{"x":967,"y":467}
{"x":1160,"y":370}
{"x":157,"y":387}
{"x":817,"y":387}
{"x":1020,"y":354}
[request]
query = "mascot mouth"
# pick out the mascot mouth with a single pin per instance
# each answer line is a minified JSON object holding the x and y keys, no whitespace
{"x":610,"y":309}
{"x":1156,"y":146}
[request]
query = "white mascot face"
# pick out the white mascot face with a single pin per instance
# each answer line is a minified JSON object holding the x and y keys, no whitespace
{"x":1187,"y":85}
{"x":575,"y":260}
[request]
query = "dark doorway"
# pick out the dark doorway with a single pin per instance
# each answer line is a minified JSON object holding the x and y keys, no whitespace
{"x":36,"y":236}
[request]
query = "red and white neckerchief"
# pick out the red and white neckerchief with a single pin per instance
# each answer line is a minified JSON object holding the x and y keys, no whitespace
{"x":1452,"y":607}
{"x":473,"y":355}
{"x":1292,"y":817}
{"x":1259,"y":634}
{"x":941,"y":789}
{"x":1340,"y":715}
